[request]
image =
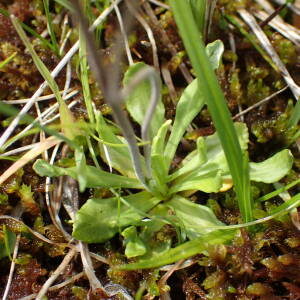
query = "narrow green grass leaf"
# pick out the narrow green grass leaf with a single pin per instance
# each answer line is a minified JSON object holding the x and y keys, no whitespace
{"x":7,"y":60}
{"x":184,"y":251}
{"x":9,"y":243}
{"x":95,"y":178}
{"x":84,"y":77}
{"x":212,"y":93}
{"x":66,"y":118}
{"x":295,"y":117}
{"x":50,"y":27}
{"x":98,"y":220}
{"x":199,"y":10}
{"x":278,"y":191}
{"x":139,"y":99}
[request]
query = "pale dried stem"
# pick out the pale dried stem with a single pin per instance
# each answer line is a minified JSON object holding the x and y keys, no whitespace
{"x":165,"y":72}
{"x":55,"y":274}
{"x":263,"y":101}
{"x":158,"y":3}
{"x":31,"y":154}
{"x":132,"y":7}
{"x":57,"y":286}
{"x":123,"y":32}
{"x":72,"y":92}
{"x":12,"y":268}
{"x":264,"y":41}
{"x":166,"y":41}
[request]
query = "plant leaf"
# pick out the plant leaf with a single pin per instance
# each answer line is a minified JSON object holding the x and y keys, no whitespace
{"x":196,"y":218}
{"x":273,"y":168}
{"x":189,"y":105}
{"x":184,"y":251}
{"x":213,"y":151}
{"x":214,"y":52}
{"x":81,"y":168}
{"x":134,"y":245}
{"x":95,"y":178}
{"x":98,"y":220}
{"x":8,"y":244}
{"x":158,"y":165}
{"x":119,"y":156}
{"x":138,"y":101}
{"x":206,"y":179}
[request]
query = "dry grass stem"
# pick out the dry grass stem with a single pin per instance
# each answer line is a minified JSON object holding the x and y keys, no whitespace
{"x":259,"y":103}
{"x":264,"y":41}
{"x":134,"y":10}
{"x":166,"y":41}
{"x":55,"y":274}
{"x":12,"y":268}
{"x":33,"y":153}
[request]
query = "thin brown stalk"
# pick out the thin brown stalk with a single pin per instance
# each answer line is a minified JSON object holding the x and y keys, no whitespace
{"x":166,"y":41}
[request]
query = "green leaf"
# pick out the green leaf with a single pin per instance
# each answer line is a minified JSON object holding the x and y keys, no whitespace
{"x":158,"y":165}
{"x":98,"y":220}
{"x":273,"y":168}
{"x":199,"y":9}
{"x":214,"y":52}
{"x":134,"y":245}
{"x":212,"y":152}
{"x":81,"y":168}
{"x":189,"y":105}
{"x":206,"y":179}
{"x":196,"y":218}
{"x":184,"y":251}
{"x":7,"y":246}
{"x":95,"y":178}
{"x":138,"y":101}
{"x":120,"y":158}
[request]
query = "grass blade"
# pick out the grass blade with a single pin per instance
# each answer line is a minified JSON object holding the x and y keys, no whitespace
{"x":65,"y":114}
{"x":50,"y":27}
{"x":7,"y":60}
{"x":237,"y":162}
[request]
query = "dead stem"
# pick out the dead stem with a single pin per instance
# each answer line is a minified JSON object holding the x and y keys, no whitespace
{"x":123,"y":33}
{"x":135,"y":12}
{"x":166,"y":41}
{"x":56,"y":273}
{"x":264,"y":41}
{"x":265,"y":100}
{"x":57,"y":286}
{"x":12,"y":268}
